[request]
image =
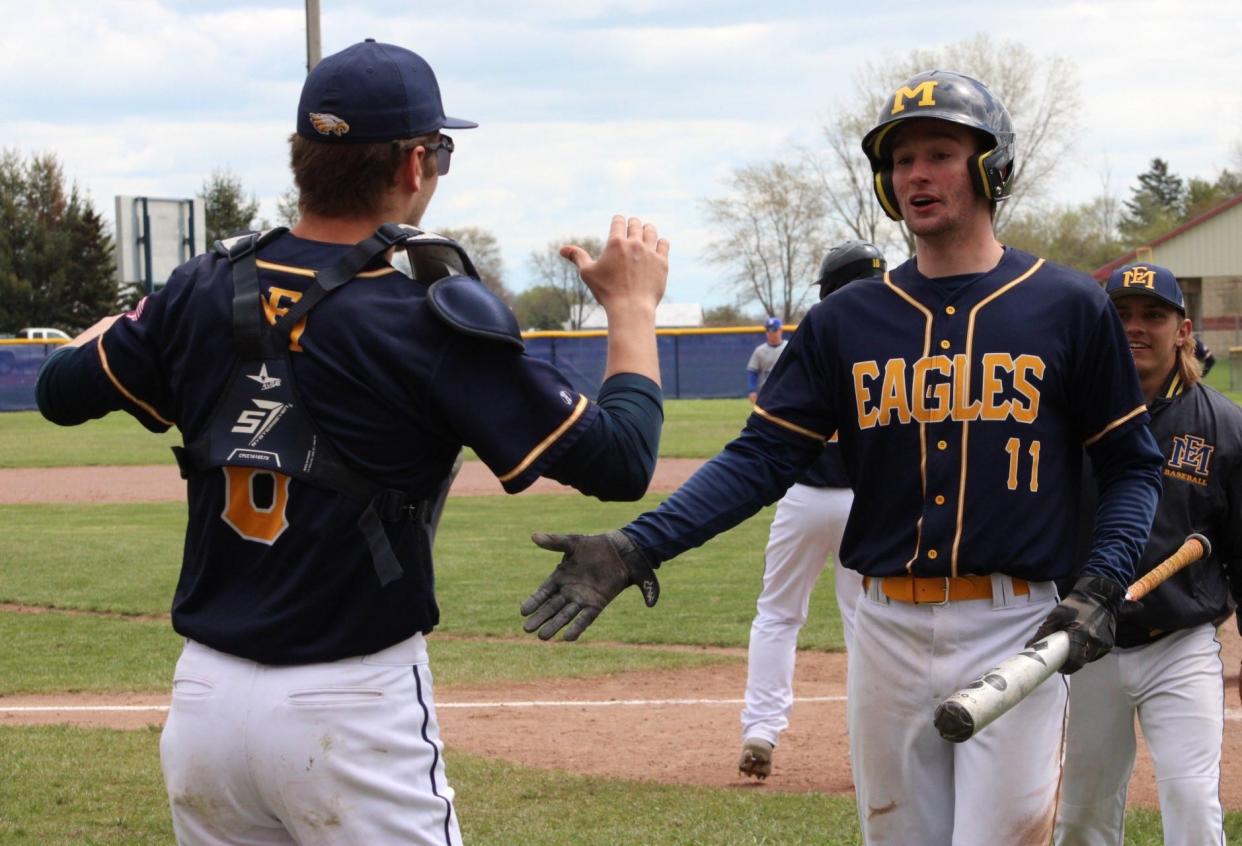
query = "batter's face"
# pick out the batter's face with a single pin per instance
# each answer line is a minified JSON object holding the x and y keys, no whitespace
{"x":930,"y":179}
{"x":774,"y":338}
{"x":1155,"y":330}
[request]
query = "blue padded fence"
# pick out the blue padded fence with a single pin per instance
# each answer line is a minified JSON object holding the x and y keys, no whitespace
{"x":694,"y":363}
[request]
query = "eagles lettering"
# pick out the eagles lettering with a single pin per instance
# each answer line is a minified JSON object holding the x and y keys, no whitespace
{"x":937,"y":388}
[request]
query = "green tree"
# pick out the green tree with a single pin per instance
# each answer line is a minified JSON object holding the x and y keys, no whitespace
{"x":225,"y":204}
{"x":1202,"y":194}
{"x":287,"y":211}
{"x":1155,"y":206}
{"x":541,"y":307}
{"x":56,"y":266}
{"x":562,"y":276}
{"x":727,"y":315}
{"x":484,"y":250}
{"x":1081,"y":236}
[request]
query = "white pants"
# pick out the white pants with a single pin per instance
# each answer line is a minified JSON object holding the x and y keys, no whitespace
{"x":1176,"y":686}
{"x":346,"y":752}
{"x":915,"y":789}
{"x":806,"y":529}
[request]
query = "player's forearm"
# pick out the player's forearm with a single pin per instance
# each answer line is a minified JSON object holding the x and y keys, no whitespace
{"x":616,"y":456}
{"x":1127,"y":470}
{"x":752,"y":471}
{"x":632,"y":340}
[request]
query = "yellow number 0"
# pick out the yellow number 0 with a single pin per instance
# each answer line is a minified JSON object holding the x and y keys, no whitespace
{"x":241,"y":511}
{"x":1014,"y":447}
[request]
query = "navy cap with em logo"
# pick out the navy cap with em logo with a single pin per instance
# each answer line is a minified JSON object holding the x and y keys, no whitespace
{"x":1146,"y":280}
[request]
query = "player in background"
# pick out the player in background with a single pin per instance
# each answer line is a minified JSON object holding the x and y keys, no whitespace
{"x":962,"y":419}
{"x":807,"y":528}
{"x":302,"y":707}
{"x":1166,"y":666}
{"x":1203,"y":354}
{"x":764,"y":357}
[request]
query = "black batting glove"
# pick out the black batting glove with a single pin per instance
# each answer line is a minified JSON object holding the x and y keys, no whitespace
{"x":1089,"y":616}
{"x":593,"y":571}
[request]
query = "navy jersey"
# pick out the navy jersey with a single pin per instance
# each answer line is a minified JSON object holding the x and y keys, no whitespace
{"x":275,"y":569}
{"x":828,"y":471}
{"x":1199,"y":430}
{"x":962,"y":407}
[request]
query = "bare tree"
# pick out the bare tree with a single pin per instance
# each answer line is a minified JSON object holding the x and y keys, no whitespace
{"x":558,"y":273}
{"x":484,"y":250}
{"x":773,"y":234}
{"x":1040,"y":93}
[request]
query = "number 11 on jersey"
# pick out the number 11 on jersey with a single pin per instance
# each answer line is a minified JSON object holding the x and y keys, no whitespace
{"x":1013,"y":446}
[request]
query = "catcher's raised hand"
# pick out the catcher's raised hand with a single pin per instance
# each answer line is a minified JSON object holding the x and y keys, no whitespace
{"x":594,"y":569}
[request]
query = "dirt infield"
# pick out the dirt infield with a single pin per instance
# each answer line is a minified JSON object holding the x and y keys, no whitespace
{"x":676,"y":727}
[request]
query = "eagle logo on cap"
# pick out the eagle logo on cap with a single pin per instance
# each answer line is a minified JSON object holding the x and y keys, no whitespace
{"x":326,"y":124}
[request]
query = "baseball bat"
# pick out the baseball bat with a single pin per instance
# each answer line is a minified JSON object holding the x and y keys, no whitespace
{"x":971,"y":709}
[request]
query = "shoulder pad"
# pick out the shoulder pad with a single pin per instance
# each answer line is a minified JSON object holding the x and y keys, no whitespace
{"x":237,"y":246}
{"x":432,"y":257}
{"x":466,"y":305}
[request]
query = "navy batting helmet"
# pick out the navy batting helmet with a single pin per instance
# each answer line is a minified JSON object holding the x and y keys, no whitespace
{"x":952,"y":97}
{"x":847,"y":262}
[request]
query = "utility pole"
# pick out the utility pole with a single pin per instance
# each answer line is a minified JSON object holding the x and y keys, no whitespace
{"x":312,"y":34}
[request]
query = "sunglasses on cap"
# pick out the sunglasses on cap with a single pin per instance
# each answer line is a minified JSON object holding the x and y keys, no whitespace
{"x":443,"y":150}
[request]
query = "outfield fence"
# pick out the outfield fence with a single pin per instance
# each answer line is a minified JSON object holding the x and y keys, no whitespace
{"x":694,"y":363}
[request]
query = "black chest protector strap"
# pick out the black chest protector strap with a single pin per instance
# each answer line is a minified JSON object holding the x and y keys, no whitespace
{"x":261,"y":420}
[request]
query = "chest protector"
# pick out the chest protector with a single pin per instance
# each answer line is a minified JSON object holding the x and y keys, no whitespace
{"x":261,"y":421}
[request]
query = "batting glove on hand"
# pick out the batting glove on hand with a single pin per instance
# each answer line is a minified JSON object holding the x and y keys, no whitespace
{"x":594,"y":570}
{"x":1089,"y":616}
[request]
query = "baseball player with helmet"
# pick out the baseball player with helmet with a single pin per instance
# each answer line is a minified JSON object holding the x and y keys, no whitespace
{"x":324,"y":379}
{"x":1166,"y":666}
{"x":807,"y":528}
{"x":764,"y":357}
{"x":964,"y":386}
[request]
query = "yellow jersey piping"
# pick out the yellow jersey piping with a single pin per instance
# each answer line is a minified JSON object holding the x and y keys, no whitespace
{"x":970,"y":341}
{"x":307,"y":272}
{"x":793,"y":427}
{"x":1089,"y":441}
{"x":103,"y":359}
{"x":543,"y":445}
{"x":927,"y":333}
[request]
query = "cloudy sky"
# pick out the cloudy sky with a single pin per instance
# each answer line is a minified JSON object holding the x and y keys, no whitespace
{"x":587,"y":107}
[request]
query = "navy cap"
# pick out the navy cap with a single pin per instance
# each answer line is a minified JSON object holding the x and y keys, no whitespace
{"x":1146,"y":280}
{"x":772,"y":324}
{"x":372,"y":92}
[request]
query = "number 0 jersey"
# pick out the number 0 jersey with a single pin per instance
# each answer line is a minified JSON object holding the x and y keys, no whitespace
{"x":276,"y":569}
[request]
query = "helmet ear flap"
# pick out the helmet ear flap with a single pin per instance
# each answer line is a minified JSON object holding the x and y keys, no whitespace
{"x":887,"y":196}
{"x":979,"y":174}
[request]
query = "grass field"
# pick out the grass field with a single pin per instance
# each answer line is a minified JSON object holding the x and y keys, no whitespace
{"x":692,"y":429}
{"x":104,"y":577}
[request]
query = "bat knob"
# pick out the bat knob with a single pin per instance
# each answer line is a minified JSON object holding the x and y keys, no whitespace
{"x":954,"y":722}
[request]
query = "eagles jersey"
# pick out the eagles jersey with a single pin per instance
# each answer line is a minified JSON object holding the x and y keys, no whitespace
{"x":275,"y":569}
{"x":962,"y":406}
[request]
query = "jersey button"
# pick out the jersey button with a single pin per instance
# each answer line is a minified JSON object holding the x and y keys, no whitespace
{"x":950,"y":310}
{"x":942,"y":445}
{"x":944,"y":345}
{"x":931,"y":553}
{"x":939,"y":499}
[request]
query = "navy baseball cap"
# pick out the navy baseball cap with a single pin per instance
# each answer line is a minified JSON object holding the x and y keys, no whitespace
{"x":1147,"y":280}
{"x":772,"y":324}
{"x":372,"y":92}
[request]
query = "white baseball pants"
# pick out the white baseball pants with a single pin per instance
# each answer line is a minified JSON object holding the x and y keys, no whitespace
{"x":806,"y":530}
{"x":1176,"y":686}
{"x":916,"y":789}
{"x":345,"y":752}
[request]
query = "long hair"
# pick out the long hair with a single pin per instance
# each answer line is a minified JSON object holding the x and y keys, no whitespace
{"x":1188,"y":366}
